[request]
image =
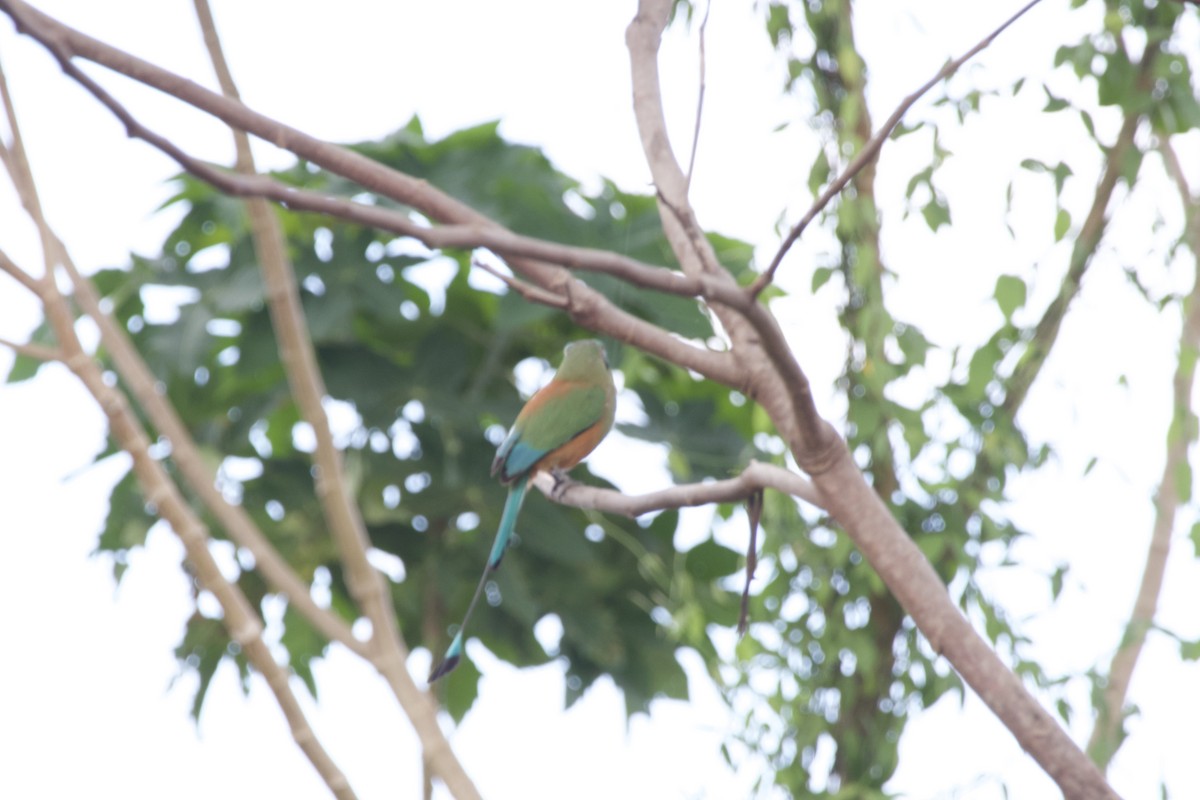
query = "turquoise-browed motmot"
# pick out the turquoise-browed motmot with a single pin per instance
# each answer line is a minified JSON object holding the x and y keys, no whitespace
{"x":557,"y":428}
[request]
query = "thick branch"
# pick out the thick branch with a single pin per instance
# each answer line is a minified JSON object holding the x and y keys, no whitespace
{"x":1181,"y":435}
{"x":588,"y":307}
{"x":915,"y":584}
{"x":772,"y":375}
{"x":872,"y":148}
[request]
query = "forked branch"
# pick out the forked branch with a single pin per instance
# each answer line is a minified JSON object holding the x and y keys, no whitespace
{"x":871,"y":150}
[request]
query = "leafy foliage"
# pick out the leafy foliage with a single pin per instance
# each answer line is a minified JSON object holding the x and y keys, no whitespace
{"x":416,"y":356}
{"x":851,"y":667}
{"x":417,"y":353}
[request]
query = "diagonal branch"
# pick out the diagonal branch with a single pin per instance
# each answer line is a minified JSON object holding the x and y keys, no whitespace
{"x":872,"y":148}
{"x":773,"y":377}
{"x":143,"y":384}
{"x":1105,"y":739}
{"x":240,"y":618}
{"x":588,"y":307}
{"x":300,"y":365}
{"x":30,"y":350}
{"x":850,"y":499}
{"x":369,"y":587}
{"x":7,"y":265}
{"x":1045,"y":334}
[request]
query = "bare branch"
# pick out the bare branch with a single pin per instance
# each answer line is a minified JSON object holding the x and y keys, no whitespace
{"x":532,"y":293}
{"x":699,"y":95}
{"x":755,"y":477}
{"x":295,"y":353}
{"x":872,"y":148}
{"x":772,"y":375}
{"x":7,"y":265}
{"x":240,"y":619}
{"x":369,"y":587}
{"x":144,"y":386}
{"x":1045,"y":334}
{"x":1181,"y":435}
{"x":588,"y":307}
{"x":31,"y":350}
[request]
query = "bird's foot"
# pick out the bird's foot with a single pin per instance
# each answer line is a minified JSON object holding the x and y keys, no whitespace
{"x":562,"y":482}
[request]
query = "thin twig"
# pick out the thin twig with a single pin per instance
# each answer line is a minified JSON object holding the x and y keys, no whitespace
{"x":368,"y":586}
{"x":30,"y":350}
{"x":239,"y":617}
{"x":872,"y":148}
{"x":699,"y":95}
{"x":1087,"y":242}
{"x":7,"y":265}
{"x":1181,"y":435}
{"x":143,"y":384}
{"x":534,"y":294}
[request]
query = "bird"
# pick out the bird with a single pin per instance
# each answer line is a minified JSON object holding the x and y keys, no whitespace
{"x":558,"y":427}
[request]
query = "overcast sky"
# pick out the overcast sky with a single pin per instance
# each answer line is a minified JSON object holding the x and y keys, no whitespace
{"x":88,"y":698}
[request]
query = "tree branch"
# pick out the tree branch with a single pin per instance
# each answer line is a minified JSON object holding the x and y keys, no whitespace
{"x":1045,"y":334}
{"x":755,"y":477}
{"x":369,"y":587}
{"x":1106,"y":738}
{"x":240,"y":618}
{"x":588,"y":307}
{"x":143,"y":384}
{"x":7,"y":265}
{"x":872,"y":148}
{"x":34,"y":351}
{"x":850,"y":500}
{"x":772,"y":376}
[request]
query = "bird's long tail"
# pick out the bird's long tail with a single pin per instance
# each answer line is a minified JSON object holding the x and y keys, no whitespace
{"x":508,"y":520}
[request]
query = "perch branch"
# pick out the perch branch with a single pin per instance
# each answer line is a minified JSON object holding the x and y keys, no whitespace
{"x":755,"y":477}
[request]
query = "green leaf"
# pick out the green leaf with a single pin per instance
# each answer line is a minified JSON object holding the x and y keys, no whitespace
{"x":1056,"y":580}
{"x":936,"y":213}
{"x":821,"y":276}
{"x":1010,"y":294}
{"x":708,"y":561}
{"x":818,"y":174}
{"x":1062,"y":224}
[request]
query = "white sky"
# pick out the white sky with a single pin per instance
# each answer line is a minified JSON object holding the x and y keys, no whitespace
{"x":86,"y":694}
